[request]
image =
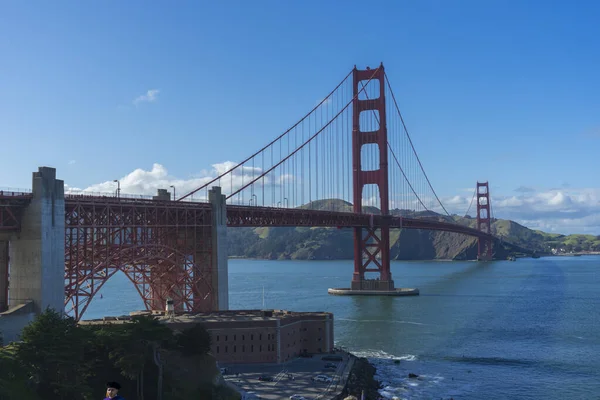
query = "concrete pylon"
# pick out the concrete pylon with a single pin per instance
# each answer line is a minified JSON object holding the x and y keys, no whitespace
{"x":219,"y":267}
{"x":37,"y":252}
{"x":3,"y":276}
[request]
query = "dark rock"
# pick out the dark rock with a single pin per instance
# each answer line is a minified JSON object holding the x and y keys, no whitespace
{"x":362,"y":377}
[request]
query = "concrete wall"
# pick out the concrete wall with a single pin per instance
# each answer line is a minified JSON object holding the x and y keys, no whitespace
{"x":250,"y":344}
{"x":242,"y":341}
{"x":219,"y":267}
{"x":12,"y":322}
{"x":37,"y":253}
{"x":11,"y":326}
{"x":272,"y":341}
{"x":372,"y":284}
{"x":3,"y":276}
{"x":313,"y":334}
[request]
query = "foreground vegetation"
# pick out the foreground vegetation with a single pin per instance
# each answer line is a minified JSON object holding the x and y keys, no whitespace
{"x":59,"y":359}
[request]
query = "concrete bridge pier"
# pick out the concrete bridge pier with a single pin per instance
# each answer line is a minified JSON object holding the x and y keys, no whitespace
{"x":37,"y":253}
{"x":3,"y":276}
{"x":211,"y":257}
{"x":36,"y":256}
{"x":219,"y":266}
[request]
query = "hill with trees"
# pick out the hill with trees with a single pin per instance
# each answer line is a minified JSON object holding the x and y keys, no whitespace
{"x":304,"y":243}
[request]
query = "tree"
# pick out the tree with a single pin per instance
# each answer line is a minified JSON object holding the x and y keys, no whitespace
{"x":194,"y":341}
{"x":13,"y":379}
{"x":52,"y":353}
{"x":58,"y":359}
{"x":130,"y":347}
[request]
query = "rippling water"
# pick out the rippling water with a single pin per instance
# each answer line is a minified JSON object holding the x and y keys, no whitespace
{"x":504,"y":330}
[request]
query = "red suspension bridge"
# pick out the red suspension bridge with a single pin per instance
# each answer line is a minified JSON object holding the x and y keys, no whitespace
{"x":353,"y":146}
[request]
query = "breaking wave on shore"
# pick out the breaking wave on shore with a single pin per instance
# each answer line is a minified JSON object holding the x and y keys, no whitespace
{"x":393,"y":373}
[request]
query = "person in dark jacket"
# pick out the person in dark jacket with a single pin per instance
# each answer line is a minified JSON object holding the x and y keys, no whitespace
{"x":112,"y":390}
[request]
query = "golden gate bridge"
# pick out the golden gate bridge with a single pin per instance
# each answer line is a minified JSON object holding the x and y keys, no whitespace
{"x":352,"y":146}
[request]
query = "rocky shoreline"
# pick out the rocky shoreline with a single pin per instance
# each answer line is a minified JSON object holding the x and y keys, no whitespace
{"x":362,"y":377}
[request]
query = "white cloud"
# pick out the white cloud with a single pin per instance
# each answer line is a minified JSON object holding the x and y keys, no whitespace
{"x":71,"y":162}
{"x":525,"y":189}
{"x":455,"y":201}
{"x":145,"y":183}
{"x":150,"y":97}
{"x":565,"y":210}
{"x":72,"y":189}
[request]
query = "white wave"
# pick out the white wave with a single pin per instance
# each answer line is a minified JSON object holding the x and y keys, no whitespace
{"x":382,"y":355}
{"x":427,"y":386}
{"x":395,"y":382}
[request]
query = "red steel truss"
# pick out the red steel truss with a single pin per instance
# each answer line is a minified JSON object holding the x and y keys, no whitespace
{"x":11,"y":209}
{"x":164,"y":248}
{"x":266,"y":216}
{"x":484,"y":224}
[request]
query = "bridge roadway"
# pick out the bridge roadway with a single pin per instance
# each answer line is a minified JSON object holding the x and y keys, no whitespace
{"x":266,"y":216}
{"x":11,"y":207}
{"x":237,"y":216}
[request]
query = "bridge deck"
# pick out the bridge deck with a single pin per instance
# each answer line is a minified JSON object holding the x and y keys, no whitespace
{"x":12,"y":203}
{"x":11,"y":208}
{"x":266,"y":216}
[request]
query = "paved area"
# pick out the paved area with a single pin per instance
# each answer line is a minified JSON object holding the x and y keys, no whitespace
{"x":245,"y":377}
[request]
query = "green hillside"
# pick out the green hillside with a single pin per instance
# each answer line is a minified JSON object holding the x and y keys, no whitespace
{"x":303,"y":243}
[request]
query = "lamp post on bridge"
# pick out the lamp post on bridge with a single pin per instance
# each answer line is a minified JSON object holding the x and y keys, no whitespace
{"x":174,"y":197}
{"x":118,"y":187}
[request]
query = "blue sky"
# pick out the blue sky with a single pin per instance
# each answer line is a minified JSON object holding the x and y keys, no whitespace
{"x":505,"y":91}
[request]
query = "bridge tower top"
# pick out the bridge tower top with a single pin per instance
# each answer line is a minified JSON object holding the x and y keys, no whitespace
{"x":484,"y":221}
{"x":360,"y":176}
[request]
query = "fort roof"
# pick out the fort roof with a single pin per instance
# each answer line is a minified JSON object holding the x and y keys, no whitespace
{"x":214,"y":316}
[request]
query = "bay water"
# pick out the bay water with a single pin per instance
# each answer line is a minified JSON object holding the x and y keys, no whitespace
{"x":528,"y":329}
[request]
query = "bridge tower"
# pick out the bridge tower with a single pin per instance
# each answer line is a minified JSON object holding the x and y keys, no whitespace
{"x":371,"y":244}
{"x":484,"y":224}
